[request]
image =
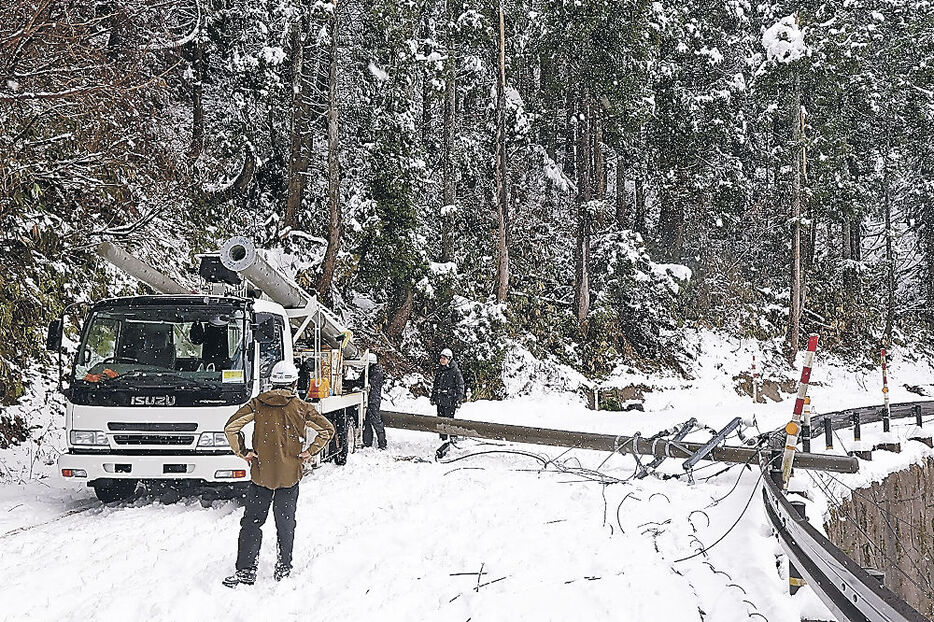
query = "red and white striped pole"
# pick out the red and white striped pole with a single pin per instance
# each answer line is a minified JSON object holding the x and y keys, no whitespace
{"x":794,"y":426}
{"x":755,"y":381}
{"x":887,"y":415}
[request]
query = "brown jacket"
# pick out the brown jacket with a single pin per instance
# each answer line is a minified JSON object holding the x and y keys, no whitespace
{"x":280,"y":421}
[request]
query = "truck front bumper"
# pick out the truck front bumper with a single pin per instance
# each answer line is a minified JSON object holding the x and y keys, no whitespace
{"x":221,"y":469}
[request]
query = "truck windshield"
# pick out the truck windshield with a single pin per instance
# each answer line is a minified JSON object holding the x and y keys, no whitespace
{"x":179,"y":346}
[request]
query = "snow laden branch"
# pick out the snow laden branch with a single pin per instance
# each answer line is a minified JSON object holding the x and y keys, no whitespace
{"x":177,"y":43}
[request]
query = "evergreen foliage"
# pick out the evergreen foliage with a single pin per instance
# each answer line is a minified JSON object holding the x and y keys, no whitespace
{"x":169,"y":128}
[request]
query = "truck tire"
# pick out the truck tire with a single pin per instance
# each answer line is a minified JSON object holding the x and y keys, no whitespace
{"x":345,"y":436}
{"x":353,"y":434}
{"x":109,"y":491}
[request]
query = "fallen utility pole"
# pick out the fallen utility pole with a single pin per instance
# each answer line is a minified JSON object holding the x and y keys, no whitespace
{"x":601,"y":442}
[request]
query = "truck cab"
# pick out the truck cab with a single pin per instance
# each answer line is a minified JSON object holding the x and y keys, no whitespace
{"x":155,"y":379}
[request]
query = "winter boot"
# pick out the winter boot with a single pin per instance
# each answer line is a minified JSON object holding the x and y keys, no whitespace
{"x":281,"y":572}
{"x":442,"y":450}
{"x":241,"y":577}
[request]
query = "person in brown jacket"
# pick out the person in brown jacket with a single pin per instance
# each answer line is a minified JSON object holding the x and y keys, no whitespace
{"x":280,"y":424}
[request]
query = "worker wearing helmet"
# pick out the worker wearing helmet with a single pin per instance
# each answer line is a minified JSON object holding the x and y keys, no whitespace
{"x":373,"y":419}
{"x":448,"y":390}
{"x":281,"y":422}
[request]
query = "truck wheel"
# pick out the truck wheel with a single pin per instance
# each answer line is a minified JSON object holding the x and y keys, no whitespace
{"x":114,"y":490}
{"x":345,"y":436}
{"x":353,"y":435}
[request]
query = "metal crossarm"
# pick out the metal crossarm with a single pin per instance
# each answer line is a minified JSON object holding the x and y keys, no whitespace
{"x":686,"y":429}
{"x":709,"y":446}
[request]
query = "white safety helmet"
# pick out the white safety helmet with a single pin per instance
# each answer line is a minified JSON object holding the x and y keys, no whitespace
{"x":284,"y":373}
{"x":371,"y":358}
{"x":446,"y":353}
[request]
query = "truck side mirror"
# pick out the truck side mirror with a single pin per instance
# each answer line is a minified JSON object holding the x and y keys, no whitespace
{"x":53,"y":341}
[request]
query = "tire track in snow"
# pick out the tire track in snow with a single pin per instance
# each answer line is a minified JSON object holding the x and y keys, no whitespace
{"x":85,"y":508}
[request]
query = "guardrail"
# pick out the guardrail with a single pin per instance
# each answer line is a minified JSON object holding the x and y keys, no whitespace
{"x":849,"y":591}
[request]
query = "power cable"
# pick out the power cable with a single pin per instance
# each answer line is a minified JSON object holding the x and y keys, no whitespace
{"x":704,"y":550}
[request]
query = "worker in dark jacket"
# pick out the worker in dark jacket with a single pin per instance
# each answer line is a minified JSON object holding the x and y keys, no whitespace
{"x":448,"y":390}
{"x":373,"y":419}
{"x":281,"y":425}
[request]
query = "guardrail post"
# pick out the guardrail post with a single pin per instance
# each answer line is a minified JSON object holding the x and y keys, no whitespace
{"x":878,"y":575}
{"x":806,"y":425}
{"x":858,"y":450}
{"x":918,"y":433}
{"x":795,"y":580}
{"x":889,"y":443}
{"x":828,"y":433}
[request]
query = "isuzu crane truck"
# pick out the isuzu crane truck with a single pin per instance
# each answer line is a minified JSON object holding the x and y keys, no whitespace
{"x":156,"y":377}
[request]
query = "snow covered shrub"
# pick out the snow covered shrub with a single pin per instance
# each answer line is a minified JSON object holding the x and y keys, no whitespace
{"x":474,"y":329}
{"x":12,"y":431}
{"x":843,"y":304}
{"x":32,"y":288}
{"x":720,"y":296}
{"x":635,"y":304}
{"x":479,"y":345}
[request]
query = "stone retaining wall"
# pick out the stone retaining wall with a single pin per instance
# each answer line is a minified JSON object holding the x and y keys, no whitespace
{"x":889,"y":526}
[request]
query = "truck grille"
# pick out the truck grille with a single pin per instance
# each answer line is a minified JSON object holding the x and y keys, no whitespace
{"x":151,"y":427}
{"x":152,"y":439}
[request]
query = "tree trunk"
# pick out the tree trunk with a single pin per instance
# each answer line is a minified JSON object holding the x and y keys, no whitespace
{"x":671,"y":222}
{"x":928,"y":247}
{"x":582,"y":246}
{"x":570,"y":132}
{"x":599,"y":159}
{"x":639,"y":224}
{"x":197,"y":104}
{"x":794,"y":302}
{"x":298,"y":157}
{"x":426,"y":111}
{"x":889,"y":252}
{"x":846,"y":231}
{"x":811,"y":232}
{"x":549,"y":129}
{"x":502,"y":198}
{"x":622,"y":204}
{"x":400,"y":316}
{"x":856,"y":250}
{"x":449,"y":172}
{"x":336,"y":225}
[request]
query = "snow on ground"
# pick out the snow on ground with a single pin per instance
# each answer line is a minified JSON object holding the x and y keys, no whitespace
{"x":391,"y":537}
{"x":401,"y":537}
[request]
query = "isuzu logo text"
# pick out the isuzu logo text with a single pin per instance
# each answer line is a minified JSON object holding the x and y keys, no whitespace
{"x":152,"y":400}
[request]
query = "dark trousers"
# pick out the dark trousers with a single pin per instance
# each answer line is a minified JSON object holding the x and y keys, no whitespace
{"x":374,"y":421}
{"x":258,"y":499}
{"x":446,"y":408}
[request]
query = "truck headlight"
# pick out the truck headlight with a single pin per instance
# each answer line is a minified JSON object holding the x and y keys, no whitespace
{"x":213,"y":439}
{"x":88,"y":437}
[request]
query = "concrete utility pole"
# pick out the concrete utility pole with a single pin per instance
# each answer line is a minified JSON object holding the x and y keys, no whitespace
{"x":601,"y":442}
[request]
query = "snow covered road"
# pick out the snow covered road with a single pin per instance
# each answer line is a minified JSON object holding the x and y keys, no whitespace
{"x":391,"y":538}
